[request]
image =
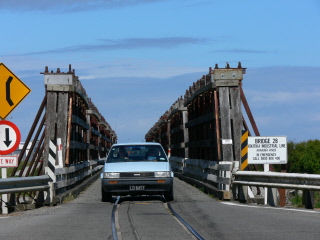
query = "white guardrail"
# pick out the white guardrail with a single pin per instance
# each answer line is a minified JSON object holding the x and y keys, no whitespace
{"x":278,"y":180}
{"x":24,"y":184}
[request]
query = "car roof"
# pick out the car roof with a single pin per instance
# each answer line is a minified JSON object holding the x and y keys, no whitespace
{"x":136,"y":143}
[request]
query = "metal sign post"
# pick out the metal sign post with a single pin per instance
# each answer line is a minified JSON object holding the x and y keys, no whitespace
{"x":266,"y":169}
{"x":5,"y":162}
{"x":4,"y":196}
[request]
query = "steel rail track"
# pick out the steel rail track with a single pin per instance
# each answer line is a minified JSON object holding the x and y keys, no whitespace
{"x":187,"y":225}
{"x":113,"y":219}
{"x":174,"y":213}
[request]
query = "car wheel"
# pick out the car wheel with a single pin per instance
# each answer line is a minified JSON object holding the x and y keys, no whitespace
{"x":169,"y":195}
{"x":106,"y":197}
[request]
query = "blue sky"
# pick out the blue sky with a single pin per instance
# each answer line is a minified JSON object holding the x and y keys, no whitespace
{"x":135,"y":58}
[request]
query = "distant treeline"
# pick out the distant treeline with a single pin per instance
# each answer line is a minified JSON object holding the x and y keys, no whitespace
{"x":304,"y":157}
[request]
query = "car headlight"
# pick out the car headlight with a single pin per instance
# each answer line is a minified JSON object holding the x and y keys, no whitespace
{"x":111,"y":175}
{"x":161,"y":174}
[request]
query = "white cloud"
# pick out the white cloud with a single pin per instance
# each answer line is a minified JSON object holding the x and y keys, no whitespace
{"x":86,"y":77}
{"x":125,"y":44}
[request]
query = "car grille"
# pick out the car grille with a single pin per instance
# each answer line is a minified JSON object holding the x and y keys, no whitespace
{"x":136,"y":174}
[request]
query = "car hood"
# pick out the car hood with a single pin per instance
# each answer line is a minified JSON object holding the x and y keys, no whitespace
{"x":137,"y":167}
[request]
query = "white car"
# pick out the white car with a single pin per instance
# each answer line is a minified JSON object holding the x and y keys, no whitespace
{"x":137,"y":169}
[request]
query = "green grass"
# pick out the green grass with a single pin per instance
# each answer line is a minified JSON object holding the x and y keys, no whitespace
{"x":297,"y":200}
{"x":317,"y":200}
{"x":69,"y":198}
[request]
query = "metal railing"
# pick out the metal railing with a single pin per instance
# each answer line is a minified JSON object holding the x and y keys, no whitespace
{"x":273,"y":180}
{"x":24,"y":184}
{"x":21,"y":187}
{"x":278,"y":180}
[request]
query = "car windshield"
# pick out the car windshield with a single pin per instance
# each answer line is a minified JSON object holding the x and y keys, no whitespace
{"x":132,"y":153}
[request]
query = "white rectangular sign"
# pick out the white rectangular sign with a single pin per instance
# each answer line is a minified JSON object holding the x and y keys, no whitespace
{"x":226,"y":141}
{"x":267,"y":150}
{"x":8,"y":161}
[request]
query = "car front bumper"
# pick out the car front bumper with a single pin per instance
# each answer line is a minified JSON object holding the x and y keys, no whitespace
{"x":141,"y":186}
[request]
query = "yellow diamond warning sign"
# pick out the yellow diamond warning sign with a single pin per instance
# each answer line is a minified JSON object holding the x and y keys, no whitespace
{"x":12,"y":91}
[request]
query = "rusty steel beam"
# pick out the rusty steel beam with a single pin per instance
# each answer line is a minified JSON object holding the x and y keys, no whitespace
{"x":69,"y":130}
{"x":33,"y":163}
{"x":39,"y":155}
{"x":31,"y":150}
{"x":249,"y":113}
{"x":34,"y":125}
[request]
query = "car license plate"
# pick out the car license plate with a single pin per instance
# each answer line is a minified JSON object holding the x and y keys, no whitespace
{"x":136,"y":188}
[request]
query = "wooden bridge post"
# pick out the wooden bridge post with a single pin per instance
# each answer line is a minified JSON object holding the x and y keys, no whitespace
{"x":58,"y":87}
{"x":168,"y":137}
{"x":185,"y":131}
{"x":177,"y":132}
{"x":227,"y":81}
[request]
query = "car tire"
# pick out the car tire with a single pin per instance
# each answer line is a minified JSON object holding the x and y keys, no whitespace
{"x":169,"y":195}
{"x":105,"y":196}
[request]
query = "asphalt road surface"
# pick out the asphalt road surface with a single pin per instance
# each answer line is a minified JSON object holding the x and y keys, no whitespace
{"x":87,"y":217}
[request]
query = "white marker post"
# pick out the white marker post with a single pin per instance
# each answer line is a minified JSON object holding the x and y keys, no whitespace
{"x":5,"y":162}
{"x":266,"y":169}
{"x":4,"y":196}
{"x":59,"y":151}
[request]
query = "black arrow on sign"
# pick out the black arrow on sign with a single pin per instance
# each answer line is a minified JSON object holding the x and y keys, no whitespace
{"x":7,"y":141}
{"x":8,"y":91}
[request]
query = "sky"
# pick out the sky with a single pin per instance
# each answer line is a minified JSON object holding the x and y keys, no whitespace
{"x":135,"y":58}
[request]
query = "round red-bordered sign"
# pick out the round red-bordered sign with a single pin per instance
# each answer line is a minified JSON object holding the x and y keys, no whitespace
{"x":10,"y":137}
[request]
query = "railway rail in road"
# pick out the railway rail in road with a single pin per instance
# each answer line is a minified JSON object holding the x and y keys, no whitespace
{"x":137,"y":223}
